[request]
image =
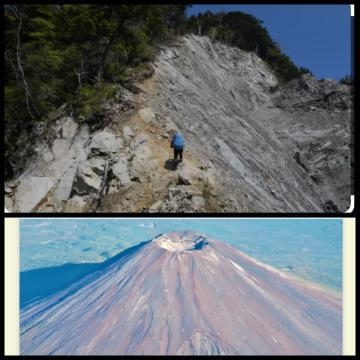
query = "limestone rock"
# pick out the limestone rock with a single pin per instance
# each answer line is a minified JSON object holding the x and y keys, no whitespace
{"x":155,"y":207}
{"x":142,"y":162}
{"x":31,"y":191}
{"x":60,"y":148}
{"x":139,"y":140}
{"x":198,"y":202}
{"x":8,"y":204}
{"x":239,"y":118}
{"x":184,"y":176}
{"x":89,"y":176}
{"x":69,"y":129}
{"x":147,"y":114}
{"x":254,"y":144}
{"x":128,"y":133}
{"x":63,"y":189}
{"x":120,"y":171}
{"x":105,"y":143}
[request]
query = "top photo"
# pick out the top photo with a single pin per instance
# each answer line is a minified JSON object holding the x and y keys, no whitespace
{"x":238,"y":109}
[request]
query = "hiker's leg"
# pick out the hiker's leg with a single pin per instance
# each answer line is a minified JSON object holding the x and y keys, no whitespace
{"x":181,"y":152}
{"x":175,"y":154}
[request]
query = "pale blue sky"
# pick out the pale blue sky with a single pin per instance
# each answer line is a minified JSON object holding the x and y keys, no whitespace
{"x":312,"y":246}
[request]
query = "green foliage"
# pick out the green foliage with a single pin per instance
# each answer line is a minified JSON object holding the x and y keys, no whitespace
{"x":56,"y":54}
{"x":91,"y":99}
{"x":304,"y":70}
{"x":70,"y":53}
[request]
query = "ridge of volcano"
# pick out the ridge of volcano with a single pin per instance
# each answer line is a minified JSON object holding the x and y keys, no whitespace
{"x":184,"y":293}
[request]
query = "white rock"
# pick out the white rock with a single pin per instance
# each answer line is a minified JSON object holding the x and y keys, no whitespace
{"x":113,"y":187}
{"x":128,"y":133}
{"x":184,"y":176}
{"x":120,"y":171}
{"x":31,"y":191}
{"x":141,"y":164}
{"x":12,"y":184}
{"x":60,"y":148}
{"x":8,"y":204}
{"x":63,"y":189}
{"x":197,"y":202}
{"x":69,"y":128}
{"x":147,"y":114}
{"x":47,"y":155}
{"x":104,"y":143}
{"x":155,"y":207}
{"x":89,"y":176}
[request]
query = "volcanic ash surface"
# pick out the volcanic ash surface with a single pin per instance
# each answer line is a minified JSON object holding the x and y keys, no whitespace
{"x":184,"y":293}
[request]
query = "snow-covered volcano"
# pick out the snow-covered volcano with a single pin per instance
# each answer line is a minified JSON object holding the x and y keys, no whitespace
{"x":184,"y":293}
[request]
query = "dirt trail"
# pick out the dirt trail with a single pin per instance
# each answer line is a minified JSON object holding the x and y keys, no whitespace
{"x":142,"y":195}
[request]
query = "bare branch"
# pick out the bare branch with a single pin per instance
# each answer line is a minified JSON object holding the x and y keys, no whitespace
{"x":21,"y":70}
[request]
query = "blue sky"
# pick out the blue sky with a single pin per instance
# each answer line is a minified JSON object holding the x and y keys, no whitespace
{"x":317,"y":37}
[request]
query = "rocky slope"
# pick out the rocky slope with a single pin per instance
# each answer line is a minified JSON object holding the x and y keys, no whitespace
{"x":183,"y":293}
{"x":251,"y":145}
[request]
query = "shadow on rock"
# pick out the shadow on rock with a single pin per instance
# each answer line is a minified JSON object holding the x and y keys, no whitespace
{"x":171,"y":164}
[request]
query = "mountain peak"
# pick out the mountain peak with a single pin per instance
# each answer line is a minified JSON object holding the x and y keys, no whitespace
{"x":181,"y":241}
{"x":183,"y":293}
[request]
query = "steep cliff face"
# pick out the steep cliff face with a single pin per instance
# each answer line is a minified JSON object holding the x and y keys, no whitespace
{"x":287,"y":150}
{"x":251,"y":144}
{"x":181,"y":294}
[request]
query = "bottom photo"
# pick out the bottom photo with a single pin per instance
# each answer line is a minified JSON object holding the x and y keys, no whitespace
{"x":181,"y":286}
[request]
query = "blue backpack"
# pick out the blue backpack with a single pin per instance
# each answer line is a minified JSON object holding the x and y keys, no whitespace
{"x":178,"y":142}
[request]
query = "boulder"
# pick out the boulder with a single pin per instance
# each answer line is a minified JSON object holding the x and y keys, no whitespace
{"x":47,"y":155}
{"x":105,"y":143}
{"x":61,"y":148}
{"x":155,"y":207}
{"x":120,"y":171}
{"x":147,"y":114}
{"x":31,"y":191}
{"x":113,"y":187}
{"x":69,"y":129}
{"x":184,"y":176}
{"x":89,"y":177}
{"x":63,"y":189}
{"x":142,"y":162}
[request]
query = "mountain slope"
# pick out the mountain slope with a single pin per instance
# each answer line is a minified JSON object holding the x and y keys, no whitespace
{"x":252,"y":145}
{"x":183,"y":293}
{"x":225,"y":101}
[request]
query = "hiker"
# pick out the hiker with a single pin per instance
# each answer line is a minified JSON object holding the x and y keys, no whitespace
{"x":177,"y":143}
